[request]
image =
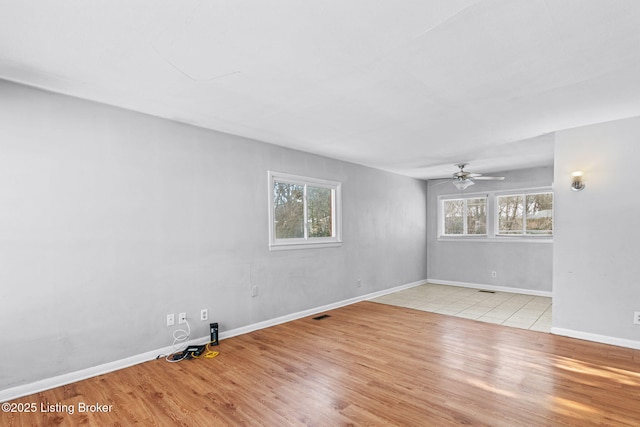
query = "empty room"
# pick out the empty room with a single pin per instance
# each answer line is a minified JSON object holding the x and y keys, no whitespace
{"x":335,"y":213}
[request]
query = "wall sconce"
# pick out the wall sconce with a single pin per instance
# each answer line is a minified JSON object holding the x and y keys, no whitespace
{"x":576,"y":181}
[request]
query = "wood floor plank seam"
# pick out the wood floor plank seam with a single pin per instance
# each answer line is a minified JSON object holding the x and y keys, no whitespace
{"x":367,"y":364}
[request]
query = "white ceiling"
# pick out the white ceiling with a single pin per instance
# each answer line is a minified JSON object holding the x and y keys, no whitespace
{"x":406,"y":86}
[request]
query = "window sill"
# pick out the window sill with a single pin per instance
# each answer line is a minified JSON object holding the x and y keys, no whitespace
{"x":303,"y":245}
{"x":500,"y":239}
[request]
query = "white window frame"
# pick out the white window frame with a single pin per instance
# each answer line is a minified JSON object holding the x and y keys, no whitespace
{"x":465,"y":234}
{"x":524,"y":194}
{"x":492,"y":218}
{"x":306,"y":242}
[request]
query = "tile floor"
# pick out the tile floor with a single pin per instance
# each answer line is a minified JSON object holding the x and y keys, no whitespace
{"x":508,"y":309}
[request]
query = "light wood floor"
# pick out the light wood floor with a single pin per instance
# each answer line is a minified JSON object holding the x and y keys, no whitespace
{"x":368,"y":364}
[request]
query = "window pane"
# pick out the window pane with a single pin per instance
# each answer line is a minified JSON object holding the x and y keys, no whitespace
{"x":476,"y":216}
{"x":453,"y":217}
{"x":319,"y":212}
{"x":540,"y":213}
{"x":510,"y":215}
{"x":288,"y":210}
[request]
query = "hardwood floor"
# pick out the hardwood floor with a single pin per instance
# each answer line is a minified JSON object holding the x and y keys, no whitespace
{"x":366,"y":364}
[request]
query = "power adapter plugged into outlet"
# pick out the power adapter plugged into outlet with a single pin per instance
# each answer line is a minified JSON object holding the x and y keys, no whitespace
{"x":190,"y":352}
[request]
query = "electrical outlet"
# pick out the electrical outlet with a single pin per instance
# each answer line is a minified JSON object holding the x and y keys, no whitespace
{"x":636,"y":317}
{"x":254,"y":291}
{"x":171,"y":320}
{"x":204,"y":314}
{"x":494,"y":274}
{"x":182,"y":318}
{"x":359,"y":283}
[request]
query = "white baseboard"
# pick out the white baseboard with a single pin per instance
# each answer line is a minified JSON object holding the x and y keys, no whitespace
{"x":604,"y":339}
{"x":311,"y":311}
{"x":71,"y":377}
{"x":492,"y":288}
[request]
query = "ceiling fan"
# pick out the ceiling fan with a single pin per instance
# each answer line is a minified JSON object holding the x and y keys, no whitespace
{"x":464,"y":179}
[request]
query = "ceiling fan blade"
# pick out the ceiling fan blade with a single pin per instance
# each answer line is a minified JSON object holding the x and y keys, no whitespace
{"x":440,"y":181}
{"x":489,"y":178}
{"x":465,"y":176}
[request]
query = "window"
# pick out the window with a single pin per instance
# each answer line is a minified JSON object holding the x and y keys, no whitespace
{"x":463,"y":217}
{"x":519,"y":215}
{"x":525,"y":214}
{"x":303,"y":212}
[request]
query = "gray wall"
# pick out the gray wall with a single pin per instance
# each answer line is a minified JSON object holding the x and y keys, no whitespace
{"x":111,"y":219}
{"x":596,"y":268}
{"x":519,"y":265}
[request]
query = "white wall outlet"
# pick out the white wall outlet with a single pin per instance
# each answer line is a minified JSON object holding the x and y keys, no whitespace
{"x":636,"y":317}
{"x":204,"y":314}
{"x":182,"y":318}
{"x":359,"y":283}
{"x":494,"y":274}
{"x":171,"y":320}
{"x":254,"y":291}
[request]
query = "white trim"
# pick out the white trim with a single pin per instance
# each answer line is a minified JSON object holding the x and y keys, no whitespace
{"x":462,"y":196}
{"x":492,"y":288}
{"x":604,"y":339}
{"x":508,"y":239}
{"x":526,"y":190}
{"x":71,"y":377}
{"x":304,"y":245}
{"x":465,"y":216}
{"x":524,"y":194}
{"x":305,"y":242}
{"x":521,"y":190}
{"x":492,"y":234}
{"x":315,"y":310}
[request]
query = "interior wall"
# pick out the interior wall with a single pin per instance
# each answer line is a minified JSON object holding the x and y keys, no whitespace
{"x":112,"y":219}
{"x":596,"y":267}
{"x":519,"y":266}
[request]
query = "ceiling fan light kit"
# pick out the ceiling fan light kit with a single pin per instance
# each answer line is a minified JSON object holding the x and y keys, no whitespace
{"x":464,"y":179}
{"x":461,"y":183}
